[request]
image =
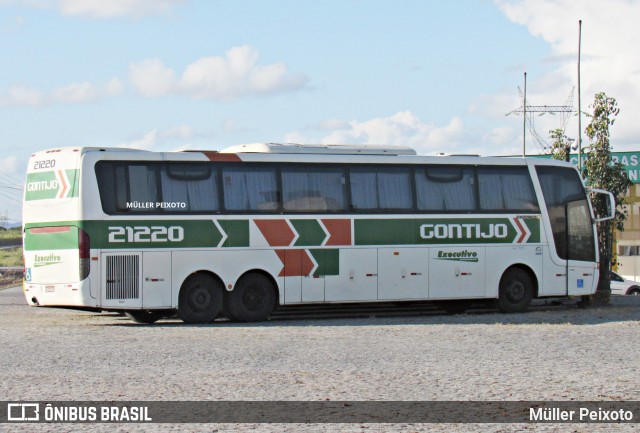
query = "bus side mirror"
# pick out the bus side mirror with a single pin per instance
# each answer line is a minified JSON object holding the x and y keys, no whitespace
{"x":611,"y":204}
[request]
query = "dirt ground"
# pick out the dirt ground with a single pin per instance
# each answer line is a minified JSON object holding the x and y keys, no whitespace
{"x":10,"y":278}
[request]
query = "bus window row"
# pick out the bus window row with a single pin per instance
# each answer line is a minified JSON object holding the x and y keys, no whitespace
{"x":200,"y":187}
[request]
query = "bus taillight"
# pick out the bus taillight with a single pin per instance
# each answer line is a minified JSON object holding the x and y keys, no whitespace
{"x":84,"y":247}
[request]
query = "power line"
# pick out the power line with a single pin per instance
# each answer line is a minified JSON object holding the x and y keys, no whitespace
{"x":14,"y":200}
{"x":10,"y":187}
{"x":528,"y":110}
{"x":13,"y":195}
{"x":8,"y":182}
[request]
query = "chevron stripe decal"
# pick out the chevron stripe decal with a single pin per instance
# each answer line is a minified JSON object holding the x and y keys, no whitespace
{"x":523,"y":231}
{"x":302,"y":232}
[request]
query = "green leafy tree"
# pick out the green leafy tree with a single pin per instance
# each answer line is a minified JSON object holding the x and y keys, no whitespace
{"x":560,"y":145}
{"x":600,"y":172}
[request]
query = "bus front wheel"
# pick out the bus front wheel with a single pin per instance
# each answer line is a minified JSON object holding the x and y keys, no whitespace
{"x":516,"y":291}
{"x":200,"y":299}
{"x":252,"y":300}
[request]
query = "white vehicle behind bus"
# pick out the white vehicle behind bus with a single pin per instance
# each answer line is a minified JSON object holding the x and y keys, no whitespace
{"x":623,"y":286}
{"x":239,"y":232}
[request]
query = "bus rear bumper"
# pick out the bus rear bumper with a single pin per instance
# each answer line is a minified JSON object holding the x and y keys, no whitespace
{"x":60,"y":295}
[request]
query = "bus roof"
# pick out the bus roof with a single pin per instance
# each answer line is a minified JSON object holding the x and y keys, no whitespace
{"x":303,"y":153}
{"x":321,"y":149}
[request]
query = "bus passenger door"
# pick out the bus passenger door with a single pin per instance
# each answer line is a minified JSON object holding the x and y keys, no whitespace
{"x":581,"y":266}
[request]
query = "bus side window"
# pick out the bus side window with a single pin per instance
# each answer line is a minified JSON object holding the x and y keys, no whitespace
{"x":113,"y":185}
{"x":446,"y":188}
{"x":105,"y":175}
{"x":381,"y":188}
{"x":506,"y":188}
{"x":189,"y":187}
{"x":249,"y":188}
{"x":143,"y":184}
{"x":313,"y":189}
{"x":121,"y":189}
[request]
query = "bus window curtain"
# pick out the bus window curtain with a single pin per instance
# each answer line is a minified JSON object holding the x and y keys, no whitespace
{"x":198,"y":195}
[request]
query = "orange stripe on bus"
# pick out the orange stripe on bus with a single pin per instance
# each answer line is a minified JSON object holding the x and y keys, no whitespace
{"x":276,"y":232}
{"x":339,"y":231}
{"x":58,"y":229}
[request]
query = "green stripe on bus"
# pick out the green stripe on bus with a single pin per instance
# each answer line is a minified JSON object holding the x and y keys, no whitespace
{"x":144,"y":234}
{"x":423,"y":231}
{"x":534,"y":226}
{"x":310,"y":232}
{"x":237,"y":232}
{"x":63,"y":240}
{"x":156,"y":234}
{"x":47,"y":185}
{"x":205,"y":233}
{"x":328,"y":261}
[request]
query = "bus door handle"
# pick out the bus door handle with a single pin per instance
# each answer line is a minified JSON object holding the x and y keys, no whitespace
{"x":463,"y":274}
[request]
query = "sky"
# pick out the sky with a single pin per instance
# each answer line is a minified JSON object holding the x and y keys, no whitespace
{"x":438,"y":75}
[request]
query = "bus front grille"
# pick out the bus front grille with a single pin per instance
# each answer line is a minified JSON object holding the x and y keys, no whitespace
{"x":122,"y":277}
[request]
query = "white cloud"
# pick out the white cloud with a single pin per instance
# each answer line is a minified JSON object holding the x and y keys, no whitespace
{"x":102,"y":9}
{"x":232,"y":76}
{"x":146,"y":142}
{"x":608,"y":61}
{"x":228,"y":125}
{"x":151,"y":78}
{"x":75,"y":93}
{"x":231,"y":126}
{"x":113,"y":87}
{"x":116,"y":8}
{"x":19,"y":95}
{"x":329,"y":124}
{"x":182,"y":132}
{"x":400,"y":129}
{"x":9,"y":165}
{"x":11,"y":25}
{"x":156,"y":139}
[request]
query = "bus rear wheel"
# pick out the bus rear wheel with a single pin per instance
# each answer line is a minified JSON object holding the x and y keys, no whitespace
{"x":200,"y":299}
{"x":252,"y":300}
{"x":516,"y":291}
{"x":145,"y":316}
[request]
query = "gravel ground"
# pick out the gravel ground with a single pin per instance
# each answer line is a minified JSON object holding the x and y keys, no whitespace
{"x":560,"y":354}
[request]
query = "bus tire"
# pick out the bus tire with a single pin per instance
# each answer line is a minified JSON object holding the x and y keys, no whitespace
{"x":200,"y":299}
{"x":146,"y":317}
{"x":252,"y":300}
{"x":516,"y":291}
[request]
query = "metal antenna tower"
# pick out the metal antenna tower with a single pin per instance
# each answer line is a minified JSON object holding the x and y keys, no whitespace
{"x":531,"y":111}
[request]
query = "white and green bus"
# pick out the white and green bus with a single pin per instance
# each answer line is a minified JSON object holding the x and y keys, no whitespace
{"x":239,"y":232}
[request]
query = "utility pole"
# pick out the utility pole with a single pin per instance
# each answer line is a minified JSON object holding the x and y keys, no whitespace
{"x":579,"y":107}
{"x":524,"y":119}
